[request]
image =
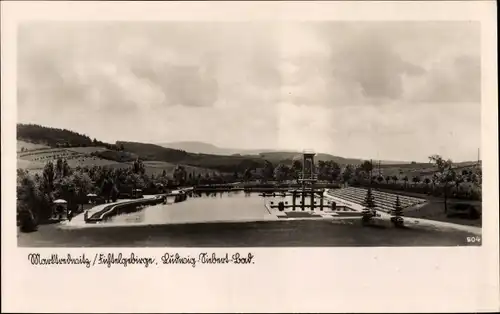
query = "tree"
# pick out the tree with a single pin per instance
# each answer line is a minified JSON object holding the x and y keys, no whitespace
{"x":380,"y":179}
{"x":322,"y":170}
{"x":248,"y":174}
{"x":363,"y":171}
{"x":268,"y":170}
{"x":367,"y":166}
{"x":444,"y":174}
{"x":66,"y":170}
{"x":48,"y":177}
{"x":138,"y":167}
{"x":458,"y":179}
{"x":296,"y":169}
{"x":333,"y":170}
{"x":434,"y":180}
{"x":281,"y":172}
{"x":347,"y":174}
{"x":398,"y":210}
{"x":387,"y":179}
{"x":476,"y":177}
{"x":369,"y":200}
{"x":369,"y":204}
{"x":405,"y":179}
{"x":59,"y":167}
{"x":394,"y":179}
{"x":427,"y":181}
{"x":416,"y":180}
{"x":397,"y":213}
{"x":107,"y":187}
{"x":27,"y":200}
{"x":83,"y":185}
{"x":180,"y":175}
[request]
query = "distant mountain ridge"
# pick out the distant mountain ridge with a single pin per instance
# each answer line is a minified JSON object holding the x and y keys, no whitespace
{"x":206,"y":148}
{"x":210,"y":149}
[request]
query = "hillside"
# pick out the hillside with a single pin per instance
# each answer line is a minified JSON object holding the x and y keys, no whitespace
{"x":37,"y":145}
{"x":53,"y":137}
{"x":151,"y":152}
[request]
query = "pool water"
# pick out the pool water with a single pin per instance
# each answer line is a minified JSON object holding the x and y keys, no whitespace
{"x":228,"y":206}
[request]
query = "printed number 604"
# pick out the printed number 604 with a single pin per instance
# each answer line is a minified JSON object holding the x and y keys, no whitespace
{"x":475,"y":239}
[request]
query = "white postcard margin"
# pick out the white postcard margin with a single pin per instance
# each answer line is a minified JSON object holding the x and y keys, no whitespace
{"x":293,"y":279}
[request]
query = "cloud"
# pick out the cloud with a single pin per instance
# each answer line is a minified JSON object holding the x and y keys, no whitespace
{"x":187,"y":64}
{"x":367,"y":64}
{"x":452,"y":80}
{"x":370,"y":63}
{"x":349,"y":88}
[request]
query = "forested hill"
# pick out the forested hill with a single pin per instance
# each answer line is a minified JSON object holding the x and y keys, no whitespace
{"x":222,"y":163}
{"x":54,"y":137}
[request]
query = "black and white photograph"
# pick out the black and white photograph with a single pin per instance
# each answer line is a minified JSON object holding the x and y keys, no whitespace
{"x":279,"y":156}
{"x":249,"y":134}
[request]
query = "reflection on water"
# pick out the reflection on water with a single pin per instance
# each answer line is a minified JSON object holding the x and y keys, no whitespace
{"x":206,"y":207}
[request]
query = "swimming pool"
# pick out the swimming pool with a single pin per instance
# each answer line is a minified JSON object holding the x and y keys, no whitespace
{"x":234,"y":219}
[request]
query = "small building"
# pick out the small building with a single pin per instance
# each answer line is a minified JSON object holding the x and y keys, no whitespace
{"x":59,"y":210}
{"x":92,"y":198}
{"x":137,"y":193}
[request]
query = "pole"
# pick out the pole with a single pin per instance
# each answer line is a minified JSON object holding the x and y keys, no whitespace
{"x":303,"y":195}
{"x":312,"y":198}
{"x":371,"y":171}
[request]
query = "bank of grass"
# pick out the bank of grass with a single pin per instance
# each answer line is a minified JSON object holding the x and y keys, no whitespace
{"x":434,"y":210}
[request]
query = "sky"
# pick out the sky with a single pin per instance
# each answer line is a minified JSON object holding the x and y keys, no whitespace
{"x":381,"y":90}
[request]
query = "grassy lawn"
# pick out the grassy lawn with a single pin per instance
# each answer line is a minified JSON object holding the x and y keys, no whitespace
{"x":434,"y":210}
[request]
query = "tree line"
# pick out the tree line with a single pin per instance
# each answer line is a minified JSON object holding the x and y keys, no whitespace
{"x":55,"y":137}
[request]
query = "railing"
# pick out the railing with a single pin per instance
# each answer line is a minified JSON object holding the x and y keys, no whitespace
{"x":308,"y":151}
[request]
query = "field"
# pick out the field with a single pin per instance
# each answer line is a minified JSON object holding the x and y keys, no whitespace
{"x":421,"y":169}
{"x":87,"y":150}
{"x":29,"y":146}
{"x":34,"y":158}
{"x":157,"y":167}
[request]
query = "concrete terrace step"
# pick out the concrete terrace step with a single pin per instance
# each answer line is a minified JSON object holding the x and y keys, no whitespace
{"x":383,"y":201}
{"x":379,"y":196}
